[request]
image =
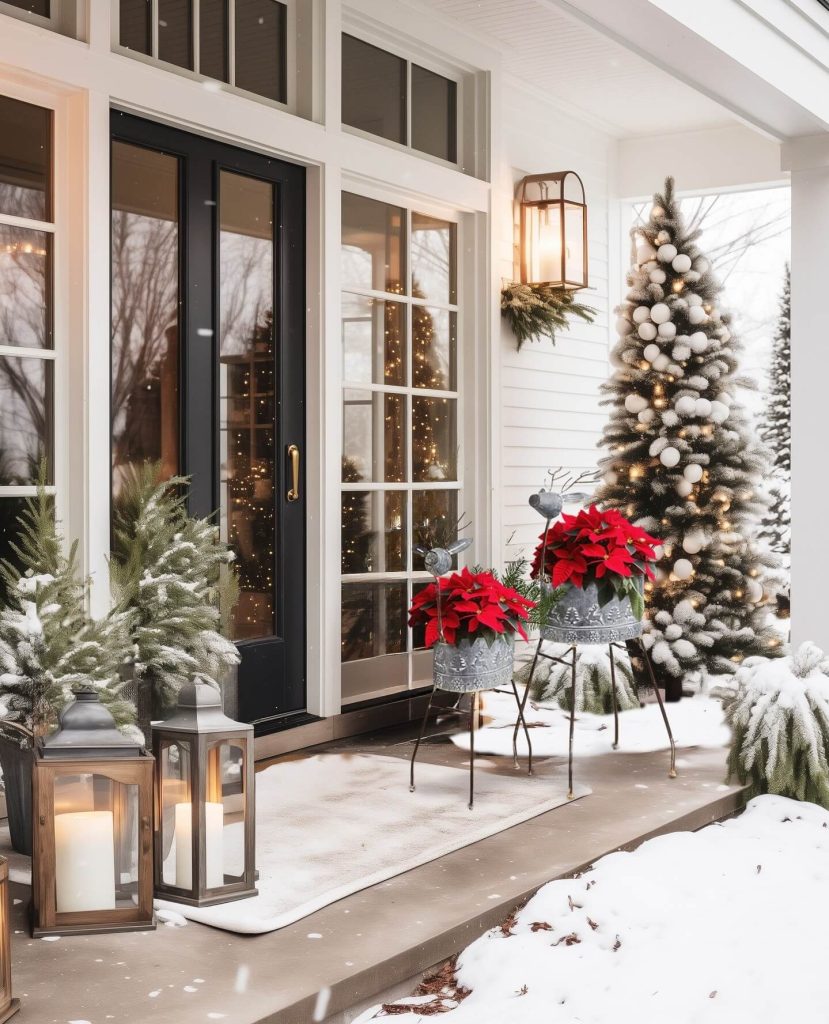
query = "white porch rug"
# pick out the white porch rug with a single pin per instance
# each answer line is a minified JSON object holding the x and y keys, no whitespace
{"x":333,"y":824}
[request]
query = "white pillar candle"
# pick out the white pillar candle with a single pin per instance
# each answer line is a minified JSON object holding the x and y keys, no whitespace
{"x":214,"y":815}
{"x":84,"y":861}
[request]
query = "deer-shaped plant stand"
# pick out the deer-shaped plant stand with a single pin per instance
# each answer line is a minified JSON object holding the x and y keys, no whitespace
{"x":577,"y":618}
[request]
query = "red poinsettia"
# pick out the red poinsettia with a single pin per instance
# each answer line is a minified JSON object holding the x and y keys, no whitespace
{"x":600,"y":546}
{"x":471,"y":604}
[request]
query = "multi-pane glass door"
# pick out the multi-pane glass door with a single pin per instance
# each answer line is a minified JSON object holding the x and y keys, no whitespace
{"x":208,"y":370}
{"x":400,"y":472}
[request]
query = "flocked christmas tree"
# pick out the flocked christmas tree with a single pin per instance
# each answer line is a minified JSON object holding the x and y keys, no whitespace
{"x":682,"y":463}
{"x":49,"y":645}
{"x":173,"y":574}
{"x":776,"y":429}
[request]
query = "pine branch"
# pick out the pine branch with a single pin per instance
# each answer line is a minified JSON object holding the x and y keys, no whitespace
{"x":533,"y":311}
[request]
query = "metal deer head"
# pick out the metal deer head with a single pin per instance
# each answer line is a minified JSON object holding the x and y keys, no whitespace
{"x":549,"y":501}
{"x":439,"y":560}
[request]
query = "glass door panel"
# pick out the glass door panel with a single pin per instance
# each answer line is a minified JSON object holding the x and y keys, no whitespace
{"x":246,"y":395}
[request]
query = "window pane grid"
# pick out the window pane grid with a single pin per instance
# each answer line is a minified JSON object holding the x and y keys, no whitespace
{"x":379,"y":533}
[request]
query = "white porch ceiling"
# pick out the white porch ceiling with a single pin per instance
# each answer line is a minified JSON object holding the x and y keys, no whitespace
{"x":578,"y":66}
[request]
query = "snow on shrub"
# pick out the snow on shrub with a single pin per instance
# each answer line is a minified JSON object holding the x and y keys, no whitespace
{"x":780,"y":721}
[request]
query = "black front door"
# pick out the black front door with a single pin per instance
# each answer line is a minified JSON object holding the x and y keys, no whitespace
{"x":217,"y":244}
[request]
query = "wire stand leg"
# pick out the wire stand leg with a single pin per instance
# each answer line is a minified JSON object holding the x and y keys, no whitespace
{"x":472,"y":709}
{"x":570,"y":793}
{"x":419,"y":738}
{"x":522,"y":704}
{"x":523,"y":722}
{"x":647,"y":660}
{"x":615,"y":699}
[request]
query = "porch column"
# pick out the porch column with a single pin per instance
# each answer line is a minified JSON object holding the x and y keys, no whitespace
{"x":808,"y":160}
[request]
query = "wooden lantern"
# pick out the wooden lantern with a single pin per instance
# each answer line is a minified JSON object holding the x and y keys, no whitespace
{"x":92,"y":802}
{"x":8,"y":1006}
{"x":204,"y":792}
{"x":553,"y":230}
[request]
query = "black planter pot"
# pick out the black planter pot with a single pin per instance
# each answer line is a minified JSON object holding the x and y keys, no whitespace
{"x":16,"y":762}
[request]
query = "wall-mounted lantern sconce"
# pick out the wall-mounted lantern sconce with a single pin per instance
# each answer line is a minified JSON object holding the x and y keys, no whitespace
{"x":553,"y":236}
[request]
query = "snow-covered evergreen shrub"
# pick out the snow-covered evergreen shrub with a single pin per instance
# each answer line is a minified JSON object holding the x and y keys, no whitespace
{"x":552,"y":681}
{"x":49,"y":646}
{"x":780,"y":722}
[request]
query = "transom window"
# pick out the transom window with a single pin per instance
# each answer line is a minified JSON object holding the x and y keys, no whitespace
{"x":400,"y":471}
{"x":397,"y":100}
{"x":27,"y":354}
{"x":241,"y":42}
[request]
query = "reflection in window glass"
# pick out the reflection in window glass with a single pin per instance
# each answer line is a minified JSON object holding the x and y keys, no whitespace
{"x":175,"y":32}
{"x":25,"y":287}
{"x":213,"y":39}
{"x":26,"y":429}
{"x":434,"y":513}
{"x":373,"y":90}
{"x":374,"y":437}
{"x":374,"y":620}
{"x":374,"y":340}
{"x":261,"y":34}
{"x":40,"y":7}
{"x":434,"y":345}
{"x":247,"y":382}
{"x":10,"y":510}
{"x":25,"y":159}
{"x":145,"y":328}
{"x":433,"y":259}
{"x":373,"y":245}
{"x":434,"y":455}
{"x":373,"y":531}
{"x":134,"y":25}
{"x":434,"y":114}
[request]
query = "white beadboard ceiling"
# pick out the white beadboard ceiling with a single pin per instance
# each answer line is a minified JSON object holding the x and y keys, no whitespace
{"x":577,"y":65}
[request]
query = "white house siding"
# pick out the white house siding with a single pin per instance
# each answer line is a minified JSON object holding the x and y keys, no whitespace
{"x":549,"y":412}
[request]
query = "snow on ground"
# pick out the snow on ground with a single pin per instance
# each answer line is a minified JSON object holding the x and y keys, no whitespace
{"x":696,"y":722}
{"x":723,"y":925}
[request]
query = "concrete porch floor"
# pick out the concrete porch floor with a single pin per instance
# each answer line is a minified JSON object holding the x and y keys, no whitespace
{"x":375,"y":942}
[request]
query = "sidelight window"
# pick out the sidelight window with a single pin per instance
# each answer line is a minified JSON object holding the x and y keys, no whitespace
{"x":400,"y":470}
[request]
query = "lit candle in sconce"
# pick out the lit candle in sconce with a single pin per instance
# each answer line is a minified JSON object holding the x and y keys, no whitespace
{"x":84,"y":861}
{"x":214,"y":824}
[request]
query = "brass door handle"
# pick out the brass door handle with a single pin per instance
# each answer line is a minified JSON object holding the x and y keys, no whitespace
{"x":293,"y":455}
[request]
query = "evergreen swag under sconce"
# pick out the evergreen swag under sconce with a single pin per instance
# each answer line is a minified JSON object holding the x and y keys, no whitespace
{"x":534,"y":310}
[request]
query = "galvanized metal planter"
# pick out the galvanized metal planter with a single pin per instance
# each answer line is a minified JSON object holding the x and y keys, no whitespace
{"x":578,"y":619}
{"x":470,"y":666}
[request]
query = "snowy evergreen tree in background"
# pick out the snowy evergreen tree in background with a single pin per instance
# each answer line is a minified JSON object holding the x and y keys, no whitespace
{"x":174,"y":575}
{"x":682,"y":463}
{"x":776,"y":429}
{"x":49,"y":646}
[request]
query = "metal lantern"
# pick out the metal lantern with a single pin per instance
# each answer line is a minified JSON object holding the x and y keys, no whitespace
{"x":8,"y":1006}
{"x":553,"y":228}
{"x":92,"y":797}
{"x":204,"y":792}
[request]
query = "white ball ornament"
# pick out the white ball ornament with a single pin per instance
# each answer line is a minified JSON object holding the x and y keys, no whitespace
{"x":635,"y":403}
{"x":663,"y":236}
{"x":641,"y":314}
{"x":669,"y":457}
{"x":658,"y":276}
{"x":684,"y":488}
{"x":647,"y":331}
{"x":685,"y":405}
{"x":661,"y":362}
{"x":611,"y":478}
{"x":645,"y":252}
{"x":719,"y":412}
{"x":692,"y":276}
{"x":666,"y":253}
{"x":660,"y":313}
{"x":697,"y":315}
{"x":693,"y":299}
{"x":692,"y":472}
{"x":681,"y":263}
{"x":703,"y":407}
{"x":701,"y":265}
{"x":698,"y":342}
{"x":754,"y":590}
{"x":683,"y":569}
{"x":646,"y":415}
{"x":681,"y":352}
{"x":650,"y":352}
{"x":693,"y":542}
{"x":667,"y":330}
{"x":623,"y":326}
